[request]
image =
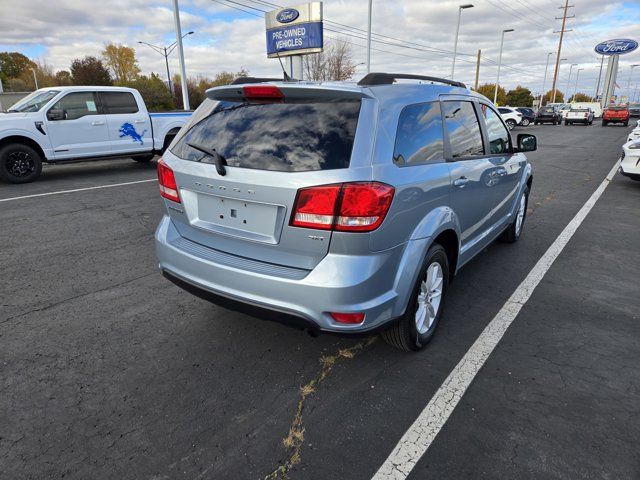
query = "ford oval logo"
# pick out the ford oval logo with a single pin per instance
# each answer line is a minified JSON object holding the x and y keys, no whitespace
{"x":287,"y":15}
{"x":616,"y":47}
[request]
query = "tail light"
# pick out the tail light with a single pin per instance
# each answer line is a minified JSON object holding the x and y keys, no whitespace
{"x":167,"y":182}
{"x":263,"y":92}
{"x":346,"y":207}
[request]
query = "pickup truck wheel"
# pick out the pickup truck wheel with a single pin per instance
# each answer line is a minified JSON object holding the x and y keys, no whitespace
{"x":512,"y":234}
{"x":19,"y":163}
{"x":418,"y":324}
{"x":511,"y":124}
{"x":143,"y":158}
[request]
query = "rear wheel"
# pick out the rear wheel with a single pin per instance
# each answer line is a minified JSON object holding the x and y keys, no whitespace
{"x":143,"y":158}
{"x":512,"y":234}
{"x":604,"y":123}
{"x":555,"y":122}
{"x":525,"y":122}
{"x":566,"y":123}
{"x":19,"y":163}
{"x":535,"y":123}
{"x":626,"y":124}
{"x":510,"y":124}
{"x":418,"y":324}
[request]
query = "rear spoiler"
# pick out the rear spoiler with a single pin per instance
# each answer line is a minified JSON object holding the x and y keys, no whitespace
{"x":294,"y":91}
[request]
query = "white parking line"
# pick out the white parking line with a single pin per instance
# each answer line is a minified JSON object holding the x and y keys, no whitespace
{"x":59,"y":192}
{"x":417,"y":439}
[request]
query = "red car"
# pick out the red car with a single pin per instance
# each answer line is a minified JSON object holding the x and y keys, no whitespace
{"x":616,"y":114}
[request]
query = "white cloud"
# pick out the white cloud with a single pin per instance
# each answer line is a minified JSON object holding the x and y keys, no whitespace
{"x":227,"y":39}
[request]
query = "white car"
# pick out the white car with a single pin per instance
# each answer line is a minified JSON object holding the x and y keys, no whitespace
{"x":630,"y":165}
{"x":63,"y":124}
{"x":635,"y":133}
{"x":510,"y":116}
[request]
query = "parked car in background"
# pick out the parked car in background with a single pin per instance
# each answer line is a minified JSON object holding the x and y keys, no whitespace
{"x":528,"y":115}
{"x":63,"y":124}
{"x":635,"y":133}
{"x":579,"y":115}
{"x":630,"y":164}
{"x":634,"y":109}
{"x":510,"y":116}
{"x":595,"y":107}
{"x":548,"y":114}
{"x":281,"y":202}
{"x":616,"y":114}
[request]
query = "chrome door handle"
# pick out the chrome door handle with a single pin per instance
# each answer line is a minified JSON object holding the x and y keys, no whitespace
{"x":460,"y":182}
{"x":140,"y":121}
{"x":96,"y":123}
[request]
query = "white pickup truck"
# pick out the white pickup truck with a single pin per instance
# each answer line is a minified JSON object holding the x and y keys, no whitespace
{"x":64,"y":124}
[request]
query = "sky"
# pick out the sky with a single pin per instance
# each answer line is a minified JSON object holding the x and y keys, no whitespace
{"x":411,"y":36}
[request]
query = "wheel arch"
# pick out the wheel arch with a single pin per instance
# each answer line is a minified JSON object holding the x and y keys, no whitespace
{"x":11,"y":139}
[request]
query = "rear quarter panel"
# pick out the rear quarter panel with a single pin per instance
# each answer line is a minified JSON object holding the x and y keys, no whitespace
{"x":164,"y":122}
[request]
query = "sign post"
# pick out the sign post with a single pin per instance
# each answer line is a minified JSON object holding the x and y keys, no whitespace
{"x":293,"y":32}
{"x":613,"y":49}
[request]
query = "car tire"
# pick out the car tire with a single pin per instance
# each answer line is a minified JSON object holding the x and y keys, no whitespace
{"x":555,"y":122}
{"x":513,"y":233}
{"x":511,"y":124}
{"x":626,"y":124}
{"x":416,"y":327}
{"x":525,"y":122}
{"x":19,"y":163}
{"x":566,"y":123}
{"x":143,"y":158}
{"x":604,"y":123}
{"x":535,"y":123}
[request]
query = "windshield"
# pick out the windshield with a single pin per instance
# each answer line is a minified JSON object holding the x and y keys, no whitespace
{"x":34,"y":101}
{"x":290,"y":137}
{"x":548,"y":109}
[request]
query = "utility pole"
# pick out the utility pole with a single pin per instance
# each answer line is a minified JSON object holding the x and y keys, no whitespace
{"x":183,"y":70}
{"x":477,"y":70}
{"x":562,"y":30}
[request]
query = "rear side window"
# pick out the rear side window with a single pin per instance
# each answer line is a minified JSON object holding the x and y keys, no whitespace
{"x":498,"y":134}
{"x":419,"y":135}
{"x":504,"y":110}
{"x":118,"y":102}
{"x":463,"y":128}
{"x":296,"y":136}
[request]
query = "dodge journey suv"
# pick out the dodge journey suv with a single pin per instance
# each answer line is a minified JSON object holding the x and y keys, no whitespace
{"x":339,"y":207}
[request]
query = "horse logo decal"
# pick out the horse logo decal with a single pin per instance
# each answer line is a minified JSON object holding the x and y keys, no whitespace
{"x":128,"y":130}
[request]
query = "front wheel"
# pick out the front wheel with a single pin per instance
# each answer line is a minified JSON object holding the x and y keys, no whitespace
{"x":525,"y":122}
{"x":511,"y":124}
{"x":512,"y":234}
{"x":19,"y":163}
{"x":418,"y":324}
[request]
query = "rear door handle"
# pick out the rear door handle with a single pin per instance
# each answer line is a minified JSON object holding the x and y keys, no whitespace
{"x":460,"y":182}
{"x":140,"y":121}
{"x":97,"y":122}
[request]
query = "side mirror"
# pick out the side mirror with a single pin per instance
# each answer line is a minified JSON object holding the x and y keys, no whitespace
{"x":527,"y":142}
{"x":56,"y":114}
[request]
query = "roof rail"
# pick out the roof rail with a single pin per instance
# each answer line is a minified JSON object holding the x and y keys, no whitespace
{"x":372,"y":79}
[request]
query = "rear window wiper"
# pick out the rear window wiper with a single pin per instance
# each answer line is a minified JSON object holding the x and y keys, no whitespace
{"x":218,"y":160}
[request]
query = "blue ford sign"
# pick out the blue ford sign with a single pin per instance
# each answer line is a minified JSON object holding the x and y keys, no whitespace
{"x":287,"y":15}
{"x":616,"y":47}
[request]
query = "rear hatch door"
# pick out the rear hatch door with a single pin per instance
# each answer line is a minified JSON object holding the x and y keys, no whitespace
{"x":272,"y":148}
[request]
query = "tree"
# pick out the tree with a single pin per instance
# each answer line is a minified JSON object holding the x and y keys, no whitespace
{"x":488,"y":90}
{"x":548,"y":97}
{"x":122,"y":62}
{"x":334,"y":63}
{"x":520,"y":97}
{"x":14,"y":64}
{"x":197,"y":87}
{"x":90,"y":71}
{"x":580,"y":97}
{"x":154,"y":91}
{"x":63,"y":78}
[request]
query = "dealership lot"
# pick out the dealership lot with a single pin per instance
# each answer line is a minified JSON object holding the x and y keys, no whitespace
{"x":110,"y":371}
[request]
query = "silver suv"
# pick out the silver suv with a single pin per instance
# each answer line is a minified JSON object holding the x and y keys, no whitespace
{"x":339,"y":207}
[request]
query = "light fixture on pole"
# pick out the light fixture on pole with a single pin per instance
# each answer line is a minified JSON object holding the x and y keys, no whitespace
{"x":575,"y":89}
{"x":569,"y":79}
{"x":544,"y":82}
{"x":495,"y":93}
{"x":165,"y":52}
{"x":183,"y":70}
{"x":369,"y":37}
{"x":455,"y":43}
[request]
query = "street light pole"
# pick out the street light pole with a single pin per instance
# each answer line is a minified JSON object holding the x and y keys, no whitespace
{"x":629,"y":81}
{"x":495,"y":93}
{"x":35,"y":78}
{"x":544,"y":82}
{"x":455,"y":43}
{"x":369,"y":37}
{"x":575,"y":89}
{"x":165,"y":52}
{"x":183,"y":70}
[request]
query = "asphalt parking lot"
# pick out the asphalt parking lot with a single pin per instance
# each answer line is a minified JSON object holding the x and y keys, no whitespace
{"x":107,"y":370}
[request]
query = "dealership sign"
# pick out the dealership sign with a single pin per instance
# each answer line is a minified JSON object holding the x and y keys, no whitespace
{"x":294,"y":30}
{"x":616,"y":47}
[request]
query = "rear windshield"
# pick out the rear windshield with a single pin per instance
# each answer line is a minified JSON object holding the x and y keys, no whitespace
{"x":548,"y":110}
{"x":288,"y":137}
{"x":617,"y":109}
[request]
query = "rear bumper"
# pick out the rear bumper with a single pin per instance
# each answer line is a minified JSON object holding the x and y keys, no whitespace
{"x":377,"y":284}
{"x":630,"y":166}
